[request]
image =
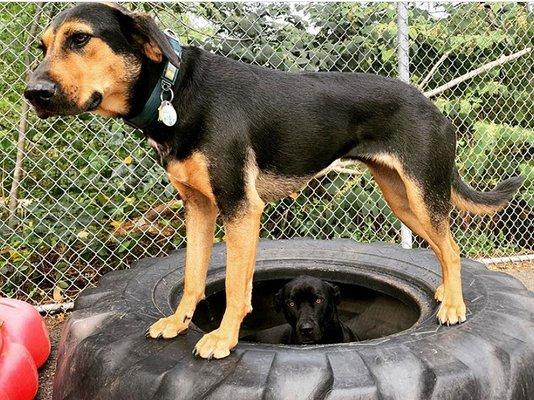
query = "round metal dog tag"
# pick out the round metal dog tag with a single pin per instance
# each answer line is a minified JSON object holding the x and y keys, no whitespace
{"x":167,"y":113}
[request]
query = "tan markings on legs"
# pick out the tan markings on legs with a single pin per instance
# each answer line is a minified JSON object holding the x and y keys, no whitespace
{"x":201,"y":214}
{"x":394,"y":191}
{"x":452,"y":309}
{"x":192,"y":172}
{"x":440,"y":291}
{"x":242,"y":235}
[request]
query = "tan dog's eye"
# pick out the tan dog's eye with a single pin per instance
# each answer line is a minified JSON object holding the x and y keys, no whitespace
{"x":78,"y":40}
{"x":318,"y":300}
{"x":290,"y":304}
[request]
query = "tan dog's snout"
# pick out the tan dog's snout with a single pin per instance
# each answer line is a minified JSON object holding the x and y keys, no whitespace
{"x":40,"y":91}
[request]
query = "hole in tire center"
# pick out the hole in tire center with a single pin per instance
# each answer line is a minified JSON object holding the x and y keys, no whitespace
{"x":365,"y":308}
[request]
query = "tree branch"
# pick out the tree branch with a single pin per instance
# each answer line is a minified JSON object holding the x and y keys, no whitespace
{"x":23,"y":125}
{"x":145,"y":223}
{"x":478,"y":71}
{"x":339,"y":166}
{"x":433,"y":70}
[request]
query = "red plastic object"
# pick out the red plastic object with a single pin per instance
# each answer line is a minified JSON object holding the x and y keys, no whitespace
{"x":24,"y":347}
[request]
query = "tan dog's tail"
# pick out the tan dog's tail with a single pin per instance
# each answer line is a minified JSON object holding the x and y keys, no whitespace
{"x":466,"y":198}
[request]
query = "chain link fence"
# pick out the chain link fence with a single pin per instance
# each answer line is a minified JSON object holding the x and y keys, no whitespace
{"x":82,"y":196}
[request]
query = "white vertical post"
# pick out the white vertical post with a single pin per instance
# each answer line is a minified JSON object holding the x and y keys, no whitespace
{"x":403,"y":55}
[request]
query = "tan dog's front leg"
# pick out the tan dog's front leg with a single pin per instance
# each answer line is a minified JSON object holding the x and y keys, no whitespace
{"x":201,"y":215}
{"x":241,"y":239}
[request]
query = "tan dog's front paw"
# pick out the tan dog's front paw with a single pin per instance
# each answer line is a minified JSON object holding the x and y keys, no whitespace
{"x":216,"y":344}
{"x":168,"y":327}
{"x":451,"y":314}
{"x":439,"y":293}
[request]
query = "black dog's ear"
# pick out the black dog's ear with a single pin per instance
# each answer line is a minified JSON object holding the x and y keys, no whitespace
{"x":278,"y":300}
{"x":335,"y":292}
{"x":146,"y":34}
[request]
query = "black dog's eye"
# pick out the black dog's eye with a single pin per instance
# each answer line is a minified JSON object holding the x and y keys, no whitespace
{"x":319,"y":300}
{"x":291,"y":304}
{"x":78,"y":40}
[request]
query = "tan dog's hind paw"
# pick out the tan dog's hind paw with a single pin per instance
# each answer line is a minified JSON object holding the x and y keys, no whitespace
{"x":438,"y":295}
{"x":216,"y":344}
{"x":168,"y":327}
{"x":451,"y":314}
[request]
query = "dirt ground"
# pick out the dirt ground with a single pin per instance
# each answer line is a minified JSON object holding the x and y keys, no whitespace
{"x":46,"y":373}
{"x":522,"y":271}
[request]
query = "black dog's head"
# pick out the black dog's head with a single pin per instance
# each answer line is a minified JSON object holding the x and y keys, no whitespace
{"x":309,"y":305}
{"x":93,"y":56}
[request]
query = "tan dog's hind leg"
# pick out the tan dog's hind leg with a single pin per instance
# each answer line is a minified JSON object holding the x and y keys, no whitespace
{"x":392,"y":187}
{"x":394,"y":191}
{"x":452,"y":309}
{"x":201,"y":215}
{"x":407,"y":202}
{"x":242,"y":235}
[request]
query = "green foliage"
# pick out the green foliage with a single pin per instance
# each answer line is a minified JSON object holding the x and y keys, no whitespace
{"x":497,"y":151}
{"x":87,"y":178}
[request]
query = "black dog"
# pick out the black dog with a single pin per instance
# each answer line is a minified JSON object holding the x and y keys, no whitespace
{"x":234,"y":136}
{"x":309,"y":305}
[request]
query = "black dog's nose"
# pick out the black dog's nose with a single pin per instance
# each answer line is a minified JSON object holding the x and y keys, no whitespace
{"x":42,"y":91}
{"x":306,"y":328}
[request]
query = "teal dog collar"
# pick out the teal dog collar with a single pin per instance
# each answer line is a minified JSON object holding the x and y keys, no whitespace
{"x":162,"y":92}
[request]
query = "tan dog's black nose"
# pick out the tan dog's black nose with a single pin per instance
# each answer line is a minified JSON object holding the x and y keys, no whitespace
{"x":41,"y":91}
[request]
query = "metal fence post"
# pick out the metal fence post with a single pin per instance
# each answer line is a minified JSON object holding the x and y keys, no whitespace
{"x":403,"y":53}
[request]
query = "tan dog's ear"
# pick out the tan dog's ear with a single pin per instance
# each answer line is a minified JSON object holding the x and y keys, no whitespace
{"x":154,"y":42}
{"x":145,"y":33}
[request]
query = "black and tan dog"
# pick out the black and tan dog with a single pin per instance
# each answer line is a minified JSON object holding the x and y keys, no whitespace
{"x":246,"y":135}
